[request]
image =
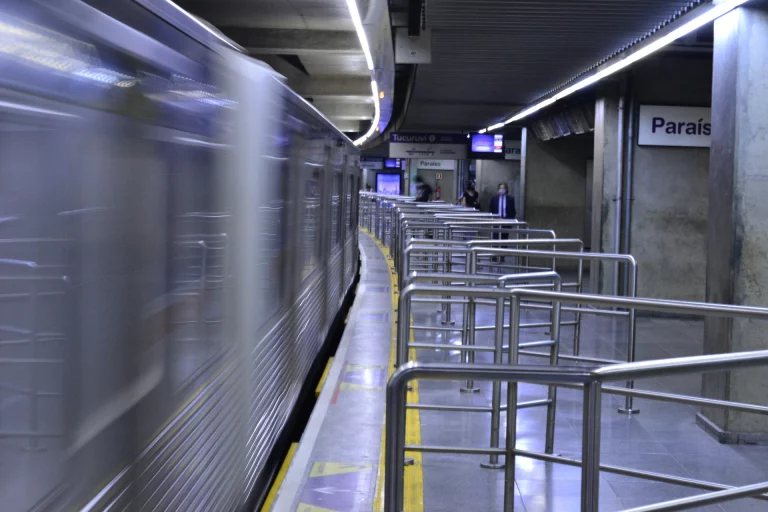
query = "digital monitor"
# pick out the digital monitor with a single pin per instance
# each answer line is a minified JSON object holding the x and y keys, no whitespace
{"x":487,"y":145}
{"x":392,"y":163}
{"x":388,"y":184}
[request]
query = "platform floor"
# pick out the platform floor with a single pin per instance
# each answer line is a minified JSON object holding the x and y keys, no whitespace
{"x":337,"y":464}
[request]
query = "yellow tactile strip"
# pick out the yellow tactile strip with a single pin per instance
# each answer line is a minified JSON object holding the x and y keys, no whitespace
{"x":413,"y":499}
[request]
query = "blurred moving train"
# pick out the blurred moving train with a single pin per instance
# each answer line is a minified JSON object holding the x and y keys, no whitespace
{"x":177,"y":234}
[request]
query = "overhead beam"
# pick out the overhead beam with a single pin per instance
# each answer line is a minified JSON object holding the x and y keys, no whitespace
{"x":336,"y":87}
{"x":262,"y":41}
{"x":345,"y":111}
{"x":349,"y":126}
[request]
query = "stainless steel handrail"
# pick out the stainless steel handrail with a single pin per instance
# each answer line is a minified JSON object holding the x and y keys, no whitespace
{"x":590,"y":378}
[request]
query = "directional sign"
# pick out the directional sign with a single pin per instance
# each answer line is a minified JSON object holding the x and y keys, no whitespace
{"x":336,"y":487}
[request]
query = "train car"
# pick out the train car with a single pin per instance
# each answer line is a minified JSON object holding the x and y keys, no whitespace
{"x":178,"y":233}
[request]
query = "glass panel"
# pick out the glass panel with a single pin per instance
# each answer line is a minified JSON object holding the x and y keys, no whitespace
{"x":336,"y":210}
{"x":311,"y":218}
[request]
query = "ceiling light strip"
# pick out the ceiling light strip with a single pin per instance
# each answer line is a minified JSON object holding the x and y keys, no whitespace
{"x":376,"y":114}
{"x":709,"y":16}
{"x":358,"y":23}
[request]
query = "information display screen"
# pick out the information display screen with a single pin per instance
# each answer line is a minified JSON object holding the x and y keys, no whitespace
{"x":392,"y":163}
{"x":388,"y":184}
{"x":487,"y":145}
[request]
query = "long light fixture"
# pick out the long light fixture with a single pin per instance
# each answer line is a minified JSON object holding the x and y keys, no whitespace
{"x":376,"y":114}
{"x":711,"y":15}
{"x":358,"y":23}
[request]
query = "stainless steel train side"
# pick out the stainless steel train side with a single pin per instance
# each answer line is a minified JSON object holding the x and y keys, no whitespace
{"x":177,"y":234}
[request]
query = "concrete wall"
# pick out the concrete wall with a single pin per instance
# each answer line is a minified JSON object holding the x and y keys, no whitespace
{"x":670,"y":187}
{"x":492,"y":172}
{"x":555,"y":184}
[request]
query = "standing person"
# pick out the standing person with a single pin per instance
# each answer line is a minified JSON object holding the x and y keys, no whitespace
{"x":471,"y":198}
{"x":503,"y":206}
{"x":423,"y":190}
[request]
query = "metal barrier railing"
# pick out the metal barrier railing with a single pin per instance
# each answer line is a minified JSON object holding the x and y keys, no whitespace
{"x":499,"y":296}
{"x":590,"y":380}
{"x":471,"y":253}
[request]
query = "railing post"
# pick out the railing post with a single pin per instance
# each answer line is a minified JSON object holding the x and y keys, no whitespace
{"x":631,"y":332}
{"x":511,"y":442}
{"x":590,"y":447}
{"x":394,"y":466}
{"x":554,"y":353}
{"x":403,"y":327}
{"x":470,"y":354}
{"x":493,"y":462}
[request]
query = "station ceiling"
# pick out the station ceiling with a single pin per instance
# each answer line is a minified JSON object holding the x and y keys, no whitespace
{"x":312,"y":43}
{"x":488,"y":57}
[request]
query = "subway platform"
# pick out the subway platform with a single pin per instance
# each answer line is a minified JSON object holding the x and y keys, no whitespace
{"x":339,"y":463}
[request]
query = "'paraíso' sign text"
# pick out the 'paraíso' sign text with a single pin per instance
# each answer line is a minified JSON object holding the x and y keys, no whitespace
{"x":675,"y":126}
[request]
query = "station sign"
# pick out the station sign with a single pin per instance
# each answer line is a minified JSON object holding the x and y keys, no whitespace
{"x":443,"y":165}
{"x":435,"y":146}
{"x":675,"y":126}
{"x":513,"y":150}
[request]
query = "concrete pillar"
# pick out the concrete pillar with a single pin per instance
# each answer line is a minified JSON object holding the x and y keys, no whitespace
{"x":604,"y":176}
{"x":737,"y":242}
{"x":492,"y":172}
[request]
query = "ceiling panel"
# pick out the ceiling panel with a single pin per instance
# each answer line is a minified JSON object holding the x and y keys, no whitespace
{"x":514,"y":51}
{"x":324,"y":64}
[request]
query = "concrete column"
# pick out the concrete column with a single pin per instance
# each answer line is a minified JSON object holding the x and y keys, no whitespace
{"x":492,"y":172}
{"x":737,"y":242}
{"x":604,"y":176}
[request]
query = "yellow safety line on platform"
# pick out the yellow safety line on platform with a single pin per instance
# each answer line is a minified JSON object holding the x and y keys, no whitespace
{"x":413,"y":500}
{"x":323,"y":378}
{"x":269,"y":503}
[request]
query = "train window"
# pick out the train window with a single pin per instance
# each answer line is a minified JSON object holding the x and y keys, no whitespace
{"x":274,"y":234}
{"x":351,"y":193}
{"x":312,"y":211}
{"x":336,"y":221}
{"x":200,"y":222}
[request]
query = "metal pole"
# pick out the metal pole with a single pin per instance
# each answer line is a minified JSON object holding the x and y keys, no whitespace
{"x":631,"y":333}
{"x":403,"y":328}
{"x":554,"y":353}
{"x":447,"y":320}
{"x":590,"y":448}
{"x":498,"y":354}
{"x":470,"y":354}
{"x":395,"y":447}
{"x":509,"y":468}
{"x":577,"y":327}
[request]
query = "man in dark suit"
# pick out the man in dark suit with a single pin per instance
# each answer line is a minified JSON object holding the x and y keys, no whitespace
{"x":503,"y":205}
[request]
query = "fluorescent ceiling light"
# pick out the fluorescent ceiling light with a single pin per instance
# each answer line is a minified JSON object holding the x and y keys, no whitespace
{"x":376,"y":114}
{"x":483,"y":130}
{"x":358,"y":23}
{"x":711,"y":15}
